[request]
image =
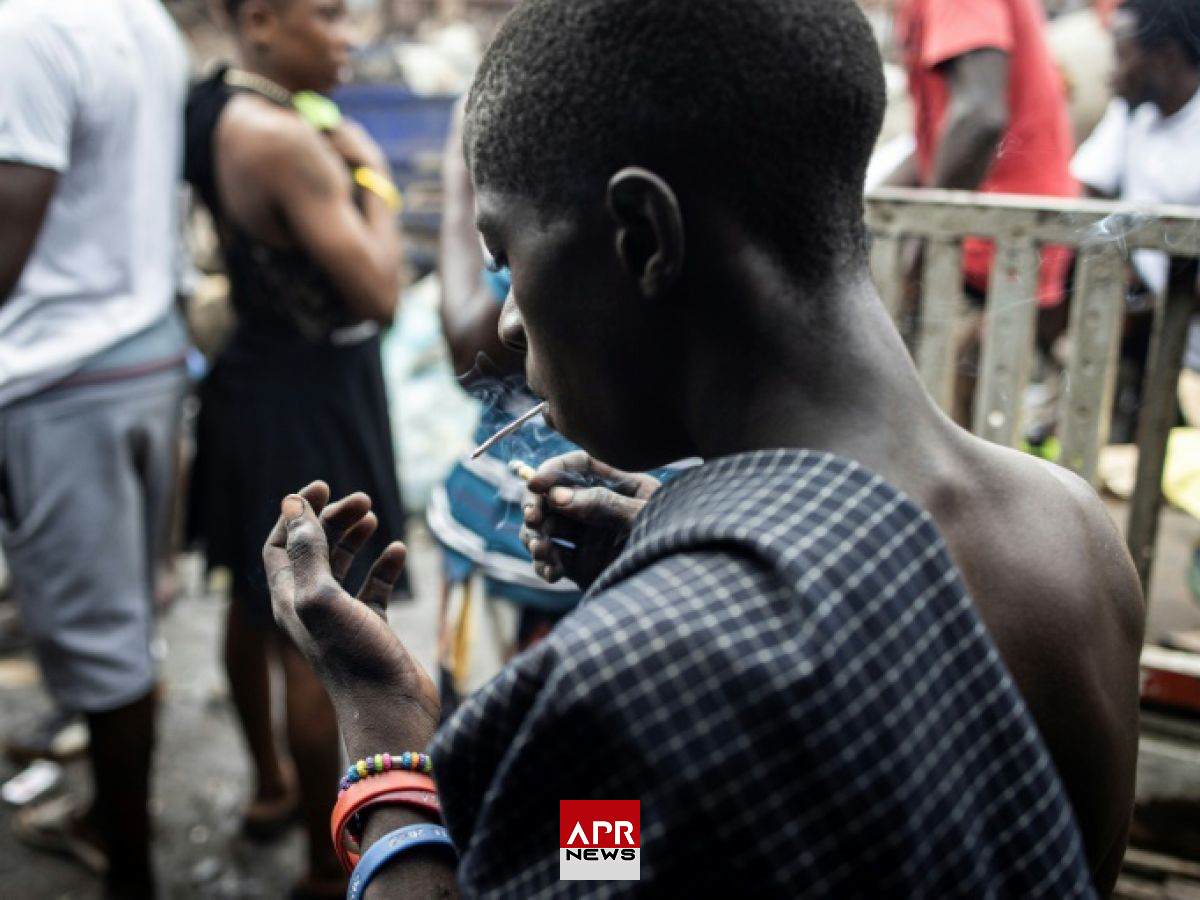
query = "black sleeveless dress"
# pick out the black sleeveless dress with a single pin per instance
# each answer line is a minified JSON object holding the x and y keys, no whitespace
{"x":296,"y":394}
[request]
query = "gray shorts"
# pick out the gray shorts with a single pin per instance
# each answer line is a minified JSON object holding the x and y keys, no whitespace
{"x":86,"y":476}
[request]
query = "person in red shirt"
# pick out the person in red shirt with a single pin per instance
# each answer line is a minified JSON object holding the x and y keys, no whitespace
{"x":990,"y":115}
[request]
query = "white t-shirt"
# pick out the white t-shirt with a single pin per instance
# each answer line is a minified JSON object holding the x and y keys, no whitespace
{"x":93,"y":89}
{"x":1145,"y":158}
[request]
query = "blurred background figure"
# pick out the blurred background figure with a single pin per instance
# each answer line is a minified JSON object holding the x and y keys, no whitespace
{"x":493,"y":604}
{"x":304,"y":208}
{"x":990,"y":115}
{"x":91,"y":351}
{"x":1144,"y":151}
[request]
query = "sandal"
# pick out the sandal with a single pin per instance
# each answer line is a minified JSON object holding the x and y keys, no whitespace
{"x":56,"y":826}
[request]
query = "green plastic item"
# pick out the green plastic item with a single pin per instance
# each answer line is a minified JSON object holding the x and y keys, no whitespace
{"x":1050,"y":449}
{"x":317,"y":109}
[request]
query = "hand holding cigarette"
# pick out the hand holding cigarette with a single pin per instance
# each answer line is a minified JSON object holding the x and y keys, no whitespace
{"x":578,"y":513}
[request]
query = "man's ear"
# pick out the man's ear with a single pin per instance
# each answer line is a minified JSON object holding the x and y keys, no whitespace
{"x":649,"y":237}
{"x":256,"y":22}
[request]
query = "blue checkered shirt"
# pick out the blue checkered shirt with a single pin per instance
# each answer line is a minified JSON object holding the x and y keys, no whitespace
{"x":784,"y":667}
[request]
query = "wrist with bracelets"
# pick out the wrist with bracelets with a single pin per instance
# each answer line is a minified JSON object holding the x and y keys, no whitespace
{"x":404,"y":779}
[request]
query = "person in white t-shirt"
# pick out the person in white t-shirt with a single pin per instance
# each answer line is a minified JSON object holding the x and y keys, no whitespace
{"x":1145,"y":148}
{"x":91,"y":373}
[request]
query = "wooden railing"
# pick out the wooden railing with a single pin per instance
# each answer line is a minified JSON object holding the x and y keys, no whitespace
{"x":1103,"y":235}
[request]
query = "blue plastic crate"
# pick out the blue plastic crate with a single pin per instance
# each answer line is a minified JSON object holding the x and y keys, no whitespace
{"x":406,"y":125}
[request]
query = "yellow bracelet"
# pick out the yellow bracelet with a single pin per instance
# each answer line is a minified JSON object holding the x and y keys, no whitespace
{"x":379,"y":185}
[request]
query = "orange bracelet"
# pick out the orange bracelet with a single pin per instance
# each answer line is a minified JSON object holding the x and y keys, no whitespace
{"x":365,"y":794}
{"x":350,"y":850}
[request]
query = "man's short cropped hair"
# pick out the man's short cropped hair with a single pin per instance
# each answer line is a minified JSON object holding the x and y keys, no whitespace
{"x":772,"y":107}
{"x":1164,"y":21}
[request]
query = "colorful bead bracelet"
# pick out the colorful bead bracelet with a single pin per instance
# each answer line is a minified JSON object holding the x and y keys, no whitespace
{"x":385,"y":762}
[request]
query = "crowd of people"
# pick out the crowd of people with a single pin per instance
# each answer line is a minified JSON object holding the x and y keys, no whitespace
{"x":747,"y":573}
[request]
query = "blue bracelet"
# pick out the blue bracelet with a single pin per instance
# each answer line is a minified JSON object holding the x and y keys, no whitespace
{"x":383,"y":851}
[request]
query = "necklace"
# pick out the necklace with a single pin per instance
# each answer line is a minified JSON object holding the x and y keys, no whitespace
{"x":265,"y":87}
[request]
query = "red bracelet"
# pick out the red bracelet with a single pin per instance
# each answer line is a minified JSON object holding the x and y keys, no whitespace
{"x":351,"y":847}
{"x":365,"y":794}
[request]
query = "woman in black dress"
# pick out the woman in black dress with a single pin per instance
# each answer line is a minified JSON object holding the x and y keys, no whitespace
{"x":306,"y":220}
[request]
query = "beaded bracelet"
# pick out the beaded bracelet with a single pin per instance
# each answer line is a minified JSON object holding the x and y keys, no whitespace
{"x":385,"y":762}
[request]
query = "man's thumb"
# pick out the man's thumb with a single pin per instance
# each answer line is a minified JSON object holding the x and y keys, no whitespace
{"x":595,"y":506}
{"x":306,"y":547}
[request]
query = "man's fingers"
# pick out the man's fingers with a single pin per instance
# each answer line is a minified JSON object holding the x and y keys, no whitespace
{"x":381,"y":581}
{"x":540,"y":546}
{"x":549,"y":473}
{"x":342,"y":554}
{"x":532,"y":510}
{"x":548,"y":572}
{"x":594,"y":506}
{"x":628,"y":483}
{"x":339,"y":517}
{"x":577,"y":467}
{"x":317,"y":495}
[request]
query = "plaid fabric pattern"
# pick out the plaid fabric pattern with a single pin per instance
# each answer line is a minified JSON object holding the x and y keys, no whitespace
{"x":783,"y":666}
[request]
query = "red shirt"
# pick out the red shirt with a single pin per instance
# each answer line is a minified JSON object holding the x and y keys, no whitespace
{"x":1035,"y":152}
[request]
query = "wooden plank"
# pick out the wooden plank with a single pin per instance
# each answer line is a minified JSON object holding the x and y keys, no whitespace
{"x":949,"y":215}
{"x":941,"y":306}
{"x":1158,"y":412}
{"x":1097,"y":314}
{"x":1009,"y":324}
{"x":886,"y":271}
{"x":1144,"y":860}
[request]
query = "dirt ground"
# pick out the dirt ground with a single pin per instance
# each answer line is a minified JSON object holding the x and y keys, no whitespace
{"x":201,"y":772}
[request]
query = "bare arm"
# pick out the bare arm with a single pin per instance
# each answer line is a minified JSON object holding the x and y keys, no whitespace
{"x":360,"y":251}
{"x":470,"y":314}
{"x":25,"y":193}
{"x":382,"y":695}
{"x":975,"y":120}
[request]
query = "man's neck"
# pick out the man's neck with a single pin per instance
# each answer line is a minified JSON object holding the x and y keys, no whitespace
{"x":1184,"y":89}
{"x":851,"y":391}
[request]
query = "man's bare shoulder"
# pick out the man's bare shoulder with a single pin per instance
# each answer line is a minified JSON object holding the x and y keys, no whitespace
{"x":1087,"y":530}
{"x":1048,"y":555}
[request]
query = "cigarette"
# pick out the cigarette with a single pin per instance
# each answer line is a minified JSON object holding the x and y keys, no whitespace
{"x":522,"y":470}
{"x":507,"y":430}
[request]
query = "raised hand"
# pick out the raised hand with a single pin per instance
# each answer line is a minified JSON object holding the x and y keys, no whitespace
{"x":578,"y":513}
{"x":384,"y":699}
